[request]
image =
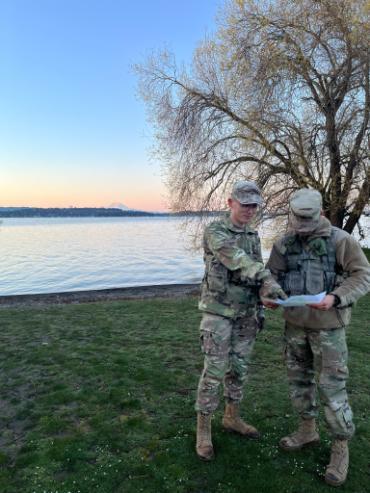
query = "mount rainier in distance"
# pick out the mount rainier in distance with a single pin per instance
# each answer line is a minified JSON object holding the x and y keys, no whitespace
{"x":119,"y":205}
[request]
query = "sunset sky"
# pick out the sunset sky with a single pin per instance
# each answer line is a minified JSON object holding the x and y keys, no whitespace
{"x":73,"y":131}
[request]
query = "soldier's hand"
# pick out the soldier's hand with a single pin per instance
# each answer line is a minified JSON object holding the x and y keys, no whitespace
{"x":281,"y":294}
{"x":271,"y":289}
{"x":325,"y":304}
{"x":269,"y":304}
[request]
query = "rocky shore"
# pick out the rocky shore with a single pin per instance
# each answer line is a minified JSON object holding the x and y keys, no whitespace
{"x":137,"y":292}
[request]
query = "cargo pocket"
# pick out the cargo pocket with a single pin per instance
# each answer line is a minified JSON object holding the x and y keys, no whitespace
{"x":217,"y":278}
{"x":346,"y":418}
{"x":315,"y":279}
{"x":347,"y":415}
{"x":339,"y":419}
{"x":216,"y":283}
{"x":293,"y":283}
{"x":208,"y":343}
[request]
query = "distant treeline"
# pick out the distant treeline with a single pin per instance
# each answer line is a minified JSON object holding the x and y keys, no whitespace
{"x":86,"y":212}
{"x":71,"y":212}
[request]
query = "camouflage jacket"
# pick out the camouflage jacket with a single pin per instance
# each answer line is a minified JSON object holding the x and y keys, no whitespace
{"x":233,"y":260}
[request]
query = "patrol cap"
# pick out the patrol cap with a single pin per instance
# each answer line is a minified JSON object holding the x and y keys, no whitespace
{"x":246,"y":192}
{"x":306,"y":205}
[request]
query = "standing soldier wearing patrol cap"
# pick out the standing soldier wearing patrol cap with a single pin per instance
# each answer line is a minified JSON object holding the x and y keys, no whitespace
{"x":234,"y":275}
{"x":313,"y":257}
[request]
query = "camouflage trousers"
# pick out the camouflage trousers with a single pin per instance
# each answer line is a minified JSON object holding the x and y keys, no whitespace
{"x":227,"y":345}
{"x":323,"y":353}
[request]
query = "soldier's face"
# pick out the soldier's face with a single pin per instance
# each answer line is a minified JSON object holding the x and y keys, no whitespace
{"x":241,"y":214}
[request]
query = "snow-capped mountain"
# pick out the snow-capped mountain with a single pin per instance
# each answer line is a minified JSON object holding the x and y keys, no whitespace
{"x":118,"y":205}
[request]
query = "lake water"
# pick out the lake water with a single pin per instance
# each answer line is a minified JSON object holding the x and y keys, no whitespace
{"x":42,"y":255}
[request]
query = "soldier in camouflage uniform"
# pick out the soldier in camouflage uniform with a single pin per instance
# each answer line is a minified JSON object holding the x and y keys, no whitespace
{"x":234,"y":274}
{"x":311,"y":258}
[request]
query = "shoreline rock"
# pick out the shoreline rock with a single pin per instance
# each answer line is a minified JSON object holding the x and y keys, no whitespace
{"x":129,"y":293}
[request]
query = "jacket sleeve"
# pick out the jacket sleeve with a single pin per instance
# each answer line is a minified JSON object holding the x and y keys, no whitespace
{"x":276,"y":263}
{"x":354,"y":262}
{"x":223,"y":246}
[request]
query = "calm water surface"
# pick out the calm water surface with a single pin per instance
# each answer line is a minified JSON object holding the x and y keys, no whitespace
{"x":62,"y":254}
{"x":43,"y":255}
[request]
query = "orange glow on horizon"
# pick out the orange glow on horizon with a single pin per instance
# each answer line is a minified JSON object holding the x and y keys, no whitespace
{"x":154,"y":203}
{"x":88,"y":191}
{"x":147,"y":205}
{"x":81,"y":189}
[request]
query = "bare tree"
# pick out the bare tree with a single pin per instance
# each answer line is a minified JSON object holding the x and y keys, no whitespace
{"x":281,"y":95}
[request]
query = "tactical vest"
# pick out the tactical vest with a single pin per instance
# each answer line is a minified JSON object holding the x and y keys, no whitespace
{"x":311,"y":266}
{"x":223,"y":291}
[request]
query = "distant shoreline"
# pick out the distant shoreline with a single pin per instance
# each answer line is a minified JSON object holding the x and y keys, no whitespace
{"x":75,"y":212}
{"x":35,"y":212}
{"x":76,"y":297}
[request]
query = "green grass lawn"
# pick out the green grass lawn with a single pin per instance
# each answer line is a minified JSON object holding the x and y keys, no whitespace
{"x":99,"y":398}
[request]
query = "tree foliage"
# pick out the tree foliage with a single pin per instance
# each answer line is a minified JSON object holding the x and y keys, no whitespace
{"x":279,"y":94}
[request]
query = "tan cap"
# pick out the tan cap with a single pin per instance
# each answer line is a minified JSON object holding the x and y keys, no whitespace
{"x":305,"y":205}
{"x":246,"y":192}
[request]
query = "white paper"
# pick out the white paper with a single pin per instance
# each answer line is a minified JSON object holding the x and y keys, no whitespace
{"x":301,"y":300}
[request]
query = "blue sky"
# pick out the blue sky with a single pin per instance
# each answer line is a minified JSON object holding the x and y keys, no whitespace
{"x":72,"y":128}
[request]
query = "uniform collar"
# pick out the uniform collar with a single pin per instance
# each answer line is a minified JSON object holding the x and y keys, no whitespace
{"x":323,"y":229}
{"x":237,"y":229}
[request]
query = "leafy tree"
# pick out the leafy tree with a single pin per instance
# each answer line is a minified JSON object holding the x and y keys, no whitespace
{"x":279,"y":94}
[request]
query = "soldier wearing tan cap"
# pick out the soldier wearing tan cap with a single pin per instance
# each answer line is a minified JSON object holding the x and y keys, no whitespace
{"x":313,"y":257}
{"x":234,"y":275}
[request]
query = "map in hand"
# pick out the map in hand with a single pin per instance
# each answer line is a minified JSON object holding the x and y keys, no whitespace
{"x":300,"y":300}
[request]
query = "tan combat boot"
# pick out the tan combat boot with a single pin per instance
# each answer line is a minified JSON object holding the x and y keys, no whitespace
{"x":233,"y":422}
{"x":336,"y":472}
{"x":305,"y":435}
{"x":204,"y":445}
